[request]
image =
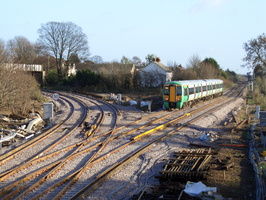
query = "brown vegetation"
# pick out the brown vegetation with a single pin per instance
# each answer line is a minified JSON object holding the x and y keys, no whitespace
{"x":18,"y":91}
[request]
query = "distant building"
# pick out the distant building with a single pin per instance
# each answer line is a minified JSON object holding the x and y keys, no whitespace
{"x":155,"y":74}
{"x":24,"y":67}
{"x":72,"y":70}
{"x":36,"y":71}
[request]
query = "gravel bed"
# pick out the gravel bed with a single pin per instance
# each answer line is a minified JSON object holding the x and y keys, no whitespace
{"x":38,"y":149}
{"x":140,"y":174}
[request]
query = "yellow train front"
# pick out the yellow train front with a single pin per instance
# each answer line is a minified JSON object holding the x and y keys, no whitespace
{"x":177,"y":94}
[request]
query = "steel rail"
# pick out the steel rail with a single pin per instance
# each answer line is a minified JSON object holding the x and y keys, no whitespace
{"x":40,"y":158}
{"x":137,"y":138}
{"x":76,"y":152}
{"x":67,"y":159}
{"x":225,"y":100}
{"x":14,"y":170}
{"x":118,"y":128}
{"x":43,"y":169}
{"x":96,"y":182}
{"x":11,"y":154}
{"x":110,"y":171}
{"x":90,"y":160}
{"x":35,"y":158}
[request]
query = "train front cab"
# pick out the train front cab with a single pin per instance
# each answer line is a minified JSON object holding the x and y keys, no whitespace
{"x":173,"y":96}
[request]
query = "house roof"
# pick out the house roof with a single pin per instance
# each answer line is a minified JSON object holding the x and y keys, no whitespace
{"x":161,"y":65}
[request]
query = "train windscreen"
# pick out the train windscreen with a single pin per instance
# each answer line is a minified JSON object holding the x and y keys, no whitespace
{"x":178,"y":90}
{"x":166,"y":90}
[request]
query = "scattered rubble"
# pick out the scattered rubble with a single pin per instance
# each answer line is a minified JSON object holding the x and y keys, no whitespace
{"x":18,"y":129}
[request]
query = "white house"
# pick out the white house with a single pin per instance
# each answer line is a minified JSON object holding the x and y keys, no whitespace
{"x":155,"y":74}
{"x":72,"y":70}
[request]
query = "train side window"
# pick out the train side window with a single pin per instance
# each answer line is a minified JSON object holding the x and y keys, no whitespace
{"x":166,"y":90}
{"x":198,"y":89}
{"x":185,"y":91}
{"x":204,"y":88}
{"x":191,"y":91}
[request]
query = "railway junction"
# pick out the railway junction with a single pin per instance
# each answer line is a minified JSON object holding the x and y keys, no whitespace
{"x":123,"y":154}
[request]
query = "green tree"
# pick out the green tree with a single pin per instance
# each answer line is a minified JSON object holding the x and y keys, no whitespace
{"x":224,"y":74}
{"x":86,"y":78}
{"x":258,"y":71}
{"x":149,"y":58}
{"x":52,"y":78}
{"x":213,"y":62}
{"x":125,"y":60}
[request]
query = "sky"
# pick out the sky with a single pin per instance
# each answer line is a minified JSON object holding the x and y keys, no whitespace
{"x":174,"y":30}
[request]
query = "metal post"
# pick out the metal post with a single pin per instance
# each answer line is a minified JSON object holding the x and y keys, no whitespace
{"x":119,"y":98}
{"x":149,"y":106}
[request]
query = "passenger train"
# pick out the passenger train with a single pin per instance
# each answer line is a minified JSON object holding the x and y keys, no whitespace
{"x":178,"y":94}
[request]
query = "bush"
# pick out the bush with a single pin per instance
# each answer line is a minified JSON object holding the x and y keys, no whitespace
{"x":86,"y":78}
{"x":259,"y":95}
{"x":52,"y":78}
{"x":18,"y":91}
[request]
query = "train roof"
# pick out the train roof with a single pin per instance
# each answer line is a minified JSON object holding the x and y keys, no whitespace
{"x":192,"y":82}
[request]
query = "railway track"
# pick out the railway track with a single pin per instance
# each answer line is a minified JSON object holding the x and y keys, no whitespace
{"x":106,"y":151}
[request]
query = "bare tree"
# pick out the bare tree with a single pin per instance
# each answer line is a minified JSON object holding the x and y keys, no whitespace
{"x":21,"y":50}
{"x":194,"y":62}
{"x":118,"y":76}
{"x":96,"y":59}
{"x":172,"y":64}
{"x":3,"y":53}
{"x":256,"y":52}
{"x":17,"y":90}
{"x":63,"y":40}
{"x":206,"y":69}
{"x":152,"y":79}
{"x":136,"y":60}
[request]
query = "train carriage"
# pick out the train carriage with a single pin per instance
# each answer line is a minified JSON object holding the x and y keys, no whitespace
{"x":177,"y":94}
